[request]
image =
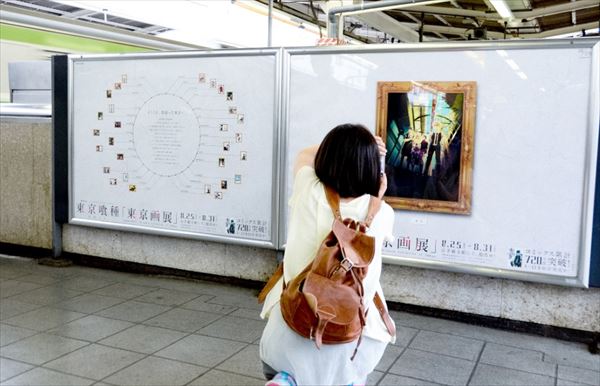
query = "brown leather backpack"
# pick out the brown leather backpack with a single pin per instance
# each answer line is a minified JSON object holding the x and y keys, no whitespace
{"x":325,"y":301}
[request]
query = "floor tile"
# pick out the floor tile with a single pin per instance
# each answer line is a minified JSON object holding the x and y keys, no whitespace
{"x":517,"y":358}
{"x":246,"y":313}
{"x":246,"y":362}
{"x":13,"y":287}
{"x":216,"y":377}
{"x":133,"y":311}
{"x":40,"y":348}
{"x":85,"y":283}
{"x":46,"y":295}
{"x":10,"y":368}
{"x":433,"y":367}
{"x":564,"y":382}
{"x":399,"y":380}
{"x":245,"y":301}
{"x":45,"y":377}
{"x":201,"y":350}
{"x":404,"y":335}
{"x":89,"y":303}
{"x":167,"y":297}
{"x":143,"y":339}
{"x":94,"y":361}
{"x":389,"y":357}
{"x":569,"y":373}
{"x":445,"y":344}
{"x":374,"y":378}
{"x":43,"y":318}
{"x":183,"y":320}
{"x":569,"y":354}
{"x":91,"y":328}
{"x":39,"y":278}
{"x":244,"y":330}
{"x":10,"y":308}
{"x":201,"y":304}
{"x":10,"y":334}
{"x":154,"y":371}
{"x":486,"y":375}
{"x":124,"y":290}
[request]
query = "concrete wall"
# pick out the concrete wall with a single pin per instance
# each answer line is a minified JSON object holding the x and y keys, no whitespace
{"x":25,"y":182}
{"x":25,"y":215}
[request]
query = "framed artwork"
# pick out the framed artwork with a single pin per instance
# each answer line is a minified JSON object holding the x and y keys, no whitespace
{"x":428,"y":129}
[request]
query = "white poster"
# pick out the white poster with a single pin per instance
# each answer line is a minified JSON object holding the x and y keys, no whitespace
{"x":180,"y":144}
{"x":534,"y":144}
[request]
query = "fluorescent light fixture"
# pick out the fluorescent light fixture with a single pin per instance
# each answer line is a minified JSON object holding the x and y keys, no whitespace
{"x":512,"y":64}
{"x":502,"y":53}
{"x":522,"y":75}
{"x":502,"y":8}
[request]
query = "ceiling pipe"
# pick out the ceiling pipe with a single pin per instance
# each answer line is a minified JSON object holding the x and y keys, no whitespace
{"x":540,"y":12}
{"x":14,"y":15}
{"x":335,"y":15}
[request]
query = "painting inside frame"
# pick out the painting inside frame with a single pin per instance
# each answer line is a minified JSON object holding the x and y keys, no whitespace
{"x":428,"y":128}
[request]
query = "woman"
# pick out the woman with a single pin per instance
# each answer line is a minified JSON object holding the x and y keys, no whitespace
{"x":347,"y":161}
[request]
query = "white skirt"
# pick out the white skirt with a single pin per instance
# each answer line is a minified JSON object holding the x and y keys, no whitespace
{"x":285,"y":350}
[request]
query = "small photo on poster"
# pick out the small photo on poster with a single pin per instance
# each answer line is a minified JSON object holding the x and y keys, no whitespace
{"x":206,"y":189}
{"x":111,"y":141}
{"x":96,"y":132}
{"x":100,"y":115}
{"x":98,"y":148}
{"x":124,"y":78}
{"x":237,"y":179}
{"x":223,"y":127}
{"x":201,"y":77}
{"x":120,"y":157}
{"x":111,"y":108}
{"x":213,"y":83}
{"x":223,"y":184}
{"x":229,"y":95}
{"x":219,"y":195}
{"x":226,"y":146}
{"x":125,"y":177}
{"x":221,"y":89}
{"x":112,"y":181}
{"x":240,"y":118}
{"x":118,"y":86}
{"x":132,"y":188}
{"x":221,"y":162}
{"x":109,"y":93}
{"x":106,"y":169}
{"x":238,"y":137}
{"x":232,"y":110}
{"x":243,"y":156}
{"x":117,"y":124}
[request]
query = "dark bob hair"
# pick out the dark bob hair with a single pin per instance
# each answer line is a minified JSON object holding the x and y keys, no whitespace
{"x":348,"y":161}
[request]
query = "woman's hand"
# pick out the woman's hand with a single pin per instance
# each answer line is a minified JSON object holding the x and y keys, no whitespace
{"x":381,"y":146}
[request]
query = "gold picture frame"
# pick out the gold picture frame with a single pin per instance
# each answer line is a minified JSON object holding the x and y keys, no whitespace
{"x":428,"y":128}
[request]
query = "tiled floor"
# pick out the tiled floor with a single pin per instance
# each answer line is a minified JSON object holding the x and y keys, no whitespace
{"x":85,"y":326}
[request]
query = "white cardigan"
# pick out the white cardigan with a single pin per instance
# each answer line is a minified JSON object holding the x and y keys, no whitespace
{"x":310,"y":220}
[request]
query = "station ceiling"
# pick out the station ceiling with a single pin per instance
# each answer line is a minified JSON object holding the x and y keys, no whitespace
{"x":450,"y":20}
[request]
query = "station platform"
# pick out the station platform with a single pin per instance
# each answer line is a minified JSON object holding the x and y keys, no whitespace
{"x":86,"y":326}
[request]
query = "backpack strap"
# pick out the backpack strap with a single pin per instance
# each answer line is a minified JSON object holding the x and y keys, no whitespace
{"x":271,"y":283}
{"x":333,"y":198}
{"x":385,"y":316}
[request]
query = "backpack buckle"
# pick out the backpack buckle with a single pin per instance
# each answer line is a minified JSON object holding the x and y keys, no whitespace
{"x":347,"y":264}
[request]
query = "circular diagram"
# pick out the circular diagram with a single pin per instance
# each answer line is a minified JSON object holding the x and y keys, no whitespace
{"x":166,"y":135}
